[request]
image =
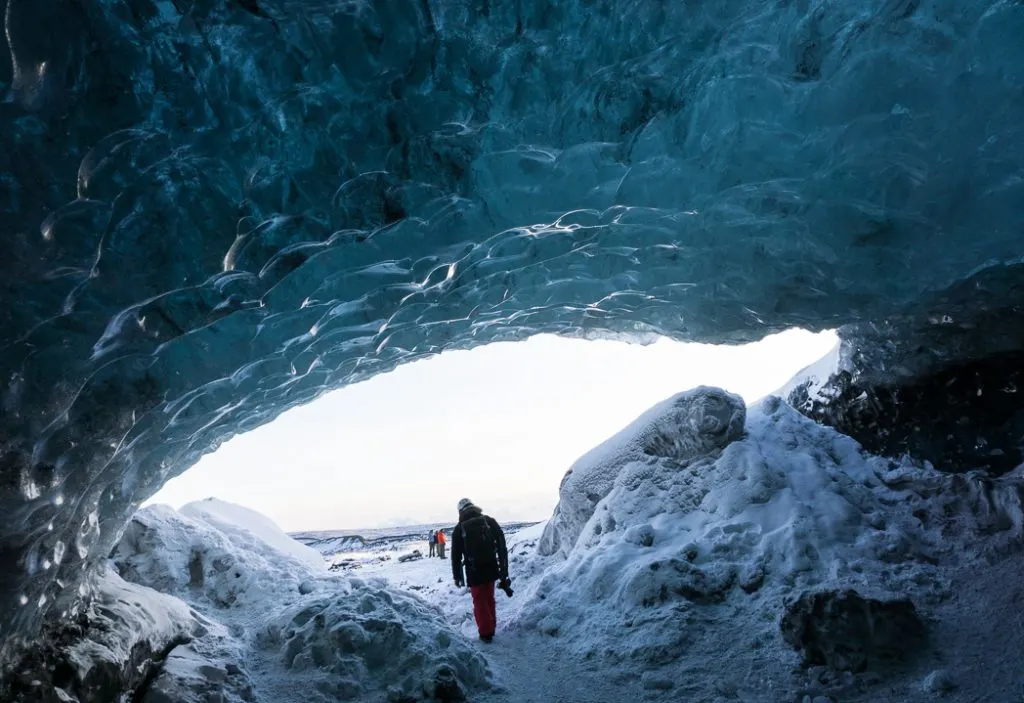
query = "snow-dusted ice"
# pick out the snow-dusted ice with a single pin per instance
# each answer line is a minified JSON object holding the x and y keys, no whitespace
{"x":688,"y":425}
{"x":814,"y":376}
{"x":290,"y":630}
{"x":711,"y":551}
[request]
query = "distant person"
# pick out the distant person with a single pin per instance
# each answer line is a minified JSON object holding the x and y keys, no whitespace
{"x":441,"y":541}
{"x":479,"y":542}
{"x":432,"y":541}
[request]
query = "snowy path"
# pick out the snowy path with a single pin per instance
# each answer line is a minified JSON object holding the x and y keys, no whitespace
{"x":528,"y":667}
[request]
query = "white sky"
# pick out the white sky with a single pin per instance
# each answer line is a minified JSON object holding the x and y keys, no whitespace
{"x":499,"y":424}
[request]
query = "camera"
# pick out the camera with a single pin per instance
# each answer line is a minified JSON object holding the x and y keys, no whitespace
{"x":506,"y":585}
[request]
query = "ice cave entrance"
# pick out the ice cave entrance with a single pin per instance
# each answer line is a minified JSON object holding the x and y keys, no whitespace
{"x":501,"y":422}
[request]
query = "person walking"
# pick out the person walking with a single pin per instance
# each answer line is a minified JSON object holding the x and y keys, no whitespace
{"x":478,"y":543}
{"x":432,"y":541}
{"x":441,"y":541}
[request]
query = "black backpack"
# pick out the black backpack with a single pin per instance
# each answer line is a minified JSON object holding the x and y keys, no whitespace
{"x":479,"y":546}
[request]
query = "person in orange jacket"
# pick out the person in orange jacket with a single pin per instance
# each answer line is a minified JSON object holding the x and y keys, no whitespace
{"x":441,"y":541}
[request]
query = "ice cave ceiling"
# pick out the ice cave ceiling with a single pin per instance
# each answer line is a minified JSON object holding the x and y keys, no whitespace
{"x":214,"y":209}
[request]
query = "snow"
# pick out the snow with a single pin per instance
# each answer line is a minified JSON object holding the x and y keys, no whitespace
{"x":687,"y":424}
{"x":662,"y":575}
{"x":683,"y":565}
{"x":234,"y":519}
{"x":109,"y":645}
{"x":219,"y":567}
{"x":193,"y":674}
{"x":814,"y":376}
{"x":292,"y":626}
{"x":365,"y":637}
{"x":676,"y":550}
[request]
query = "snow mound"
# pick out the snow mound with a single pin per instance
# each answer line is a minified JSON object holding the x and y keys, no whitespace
{"x":205,"y":561}
{"x":531,"y":534}
{"x":127,"y":617}
{"x":689,"y":424}
{"x":289,"y":626}
{"x":236,"y":521}
{"x":675,"y":553}
{"x":365,"y":637}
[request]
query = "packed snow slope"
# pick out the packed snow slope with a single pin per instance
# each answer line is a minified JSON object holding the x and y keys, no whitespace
{"x":239,"y":614}
{"x":215,"y":210}
{"x":705,"y":572}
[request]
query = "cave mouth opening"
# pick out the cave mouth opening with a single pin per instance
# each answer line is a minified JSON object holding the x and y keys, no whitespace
{"x":500,"y":422}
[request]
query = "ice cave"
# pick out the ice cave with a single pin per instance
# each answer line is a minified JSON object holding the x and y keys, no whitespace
{"x":214,"y":210}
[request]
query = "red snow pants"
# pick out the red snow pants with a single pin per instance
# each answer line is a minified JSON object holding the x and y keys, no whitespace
{"x":484,"y":610}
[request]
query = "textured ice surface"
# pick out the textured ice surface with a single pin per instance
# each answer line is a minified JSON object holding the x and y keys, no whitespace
{"x":111,"y":647}
{"x":677,"y":430}
{"x":678,"y":587}
{"x":215,"y":210}
{"x":367,"y":638}
{"x":790,"y":506}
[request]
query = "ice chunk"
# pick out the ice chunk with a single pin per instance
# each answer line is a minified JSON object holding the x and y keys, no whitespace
{"x":685,"y":426}
{"x":110,"y":649}
{"x":188,"y":676}
{"x":847,"y":632}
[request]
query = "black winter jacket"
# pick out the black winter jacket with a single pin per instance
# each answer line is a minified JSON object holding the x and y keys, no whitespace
{"x":478,"y":571}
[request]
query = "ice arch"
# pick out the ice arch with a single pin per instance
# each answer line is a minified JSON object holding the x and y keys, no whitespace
{"x":214,"y":210}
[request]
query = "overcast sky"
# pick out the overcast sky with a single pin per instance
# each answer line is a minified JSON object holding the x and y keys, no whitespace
{"x":499,"y":424}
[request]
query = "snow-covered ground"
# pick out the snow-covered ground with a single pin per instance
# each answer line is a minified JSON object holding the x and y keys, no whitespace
{"x":708,"y":552}
{"x":353,"y":550}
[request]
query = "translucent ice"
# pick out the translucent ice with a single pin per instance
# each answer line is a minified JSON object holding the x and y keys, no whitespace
{"x":213,"y":214}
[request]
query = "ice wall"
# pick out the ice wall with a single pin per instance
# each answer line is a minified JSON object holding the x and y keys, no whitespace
{"x":215,"y":210}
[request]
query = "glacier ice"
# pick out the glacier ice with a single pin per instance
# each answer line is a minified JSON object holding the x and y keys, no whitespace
{"x":217,"y":211}
{"x":750,"y":546}
{"x":115,"y":644}
{"x":686,"y":426}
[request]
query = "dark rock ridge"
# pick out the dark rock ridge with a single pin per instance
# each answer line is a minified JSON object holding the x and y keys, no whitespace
{"x":963,"y":417}
{"x":214,"y":210}
{"x":847,"y":632}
